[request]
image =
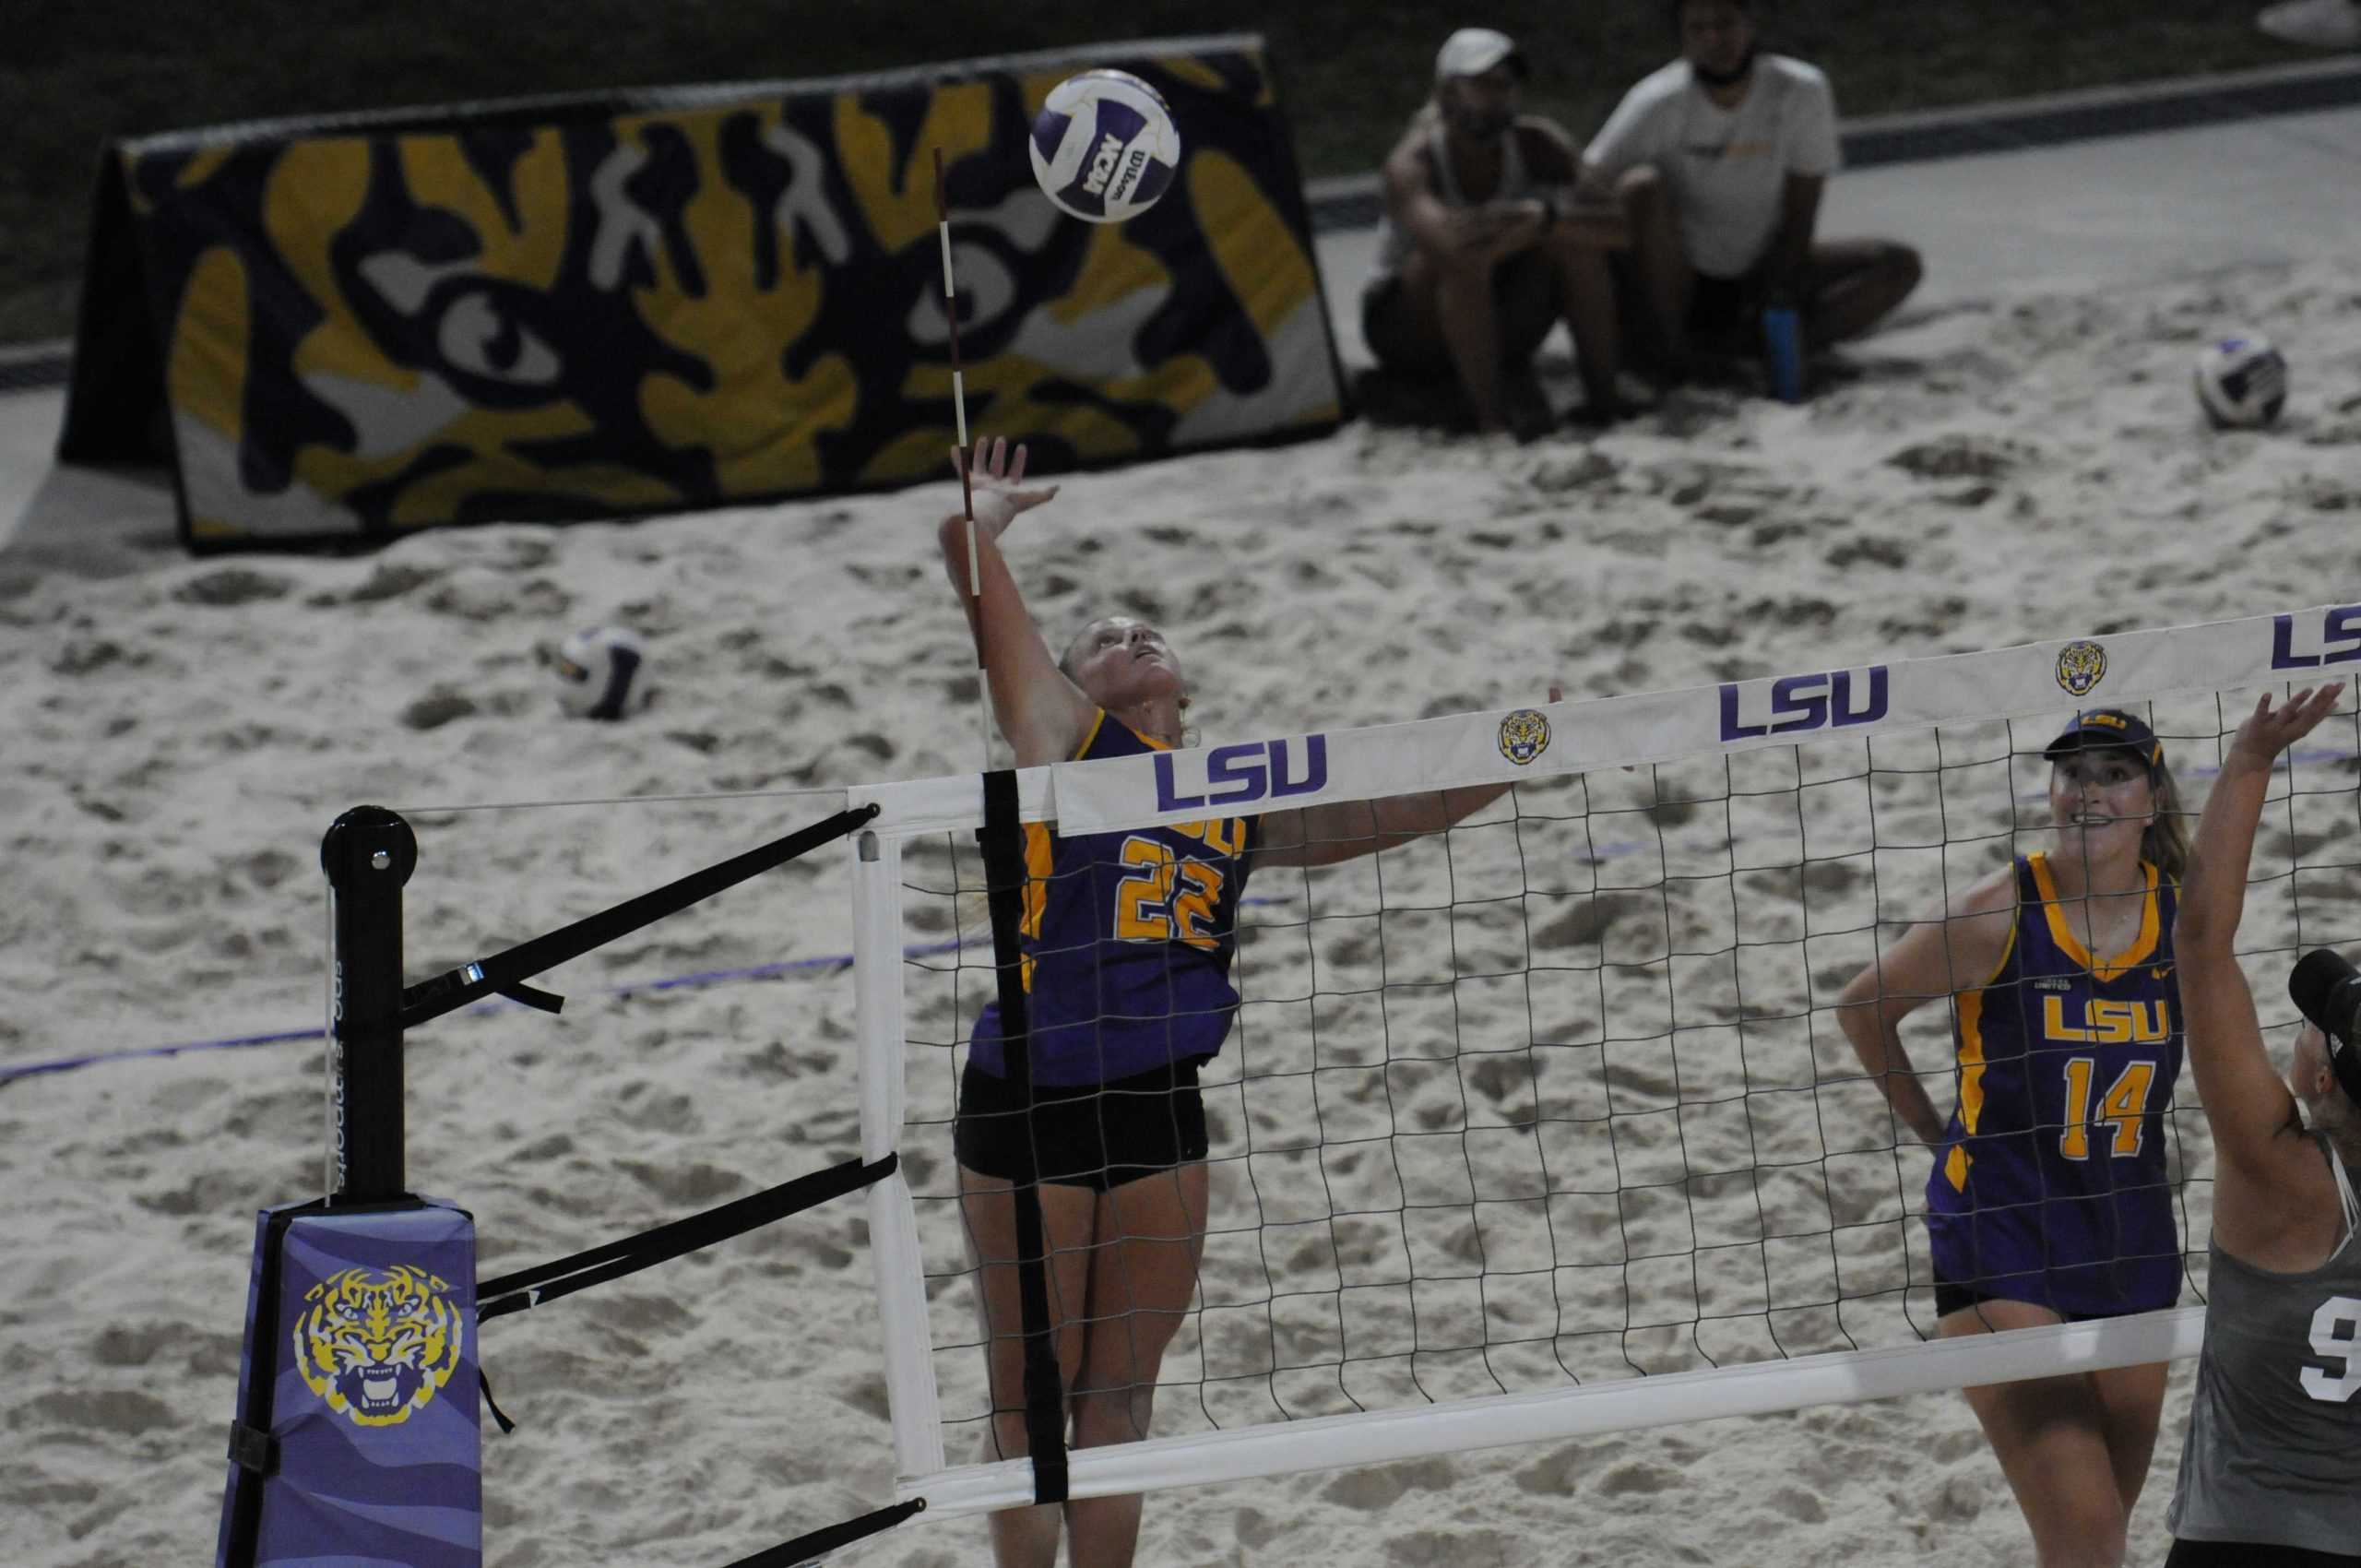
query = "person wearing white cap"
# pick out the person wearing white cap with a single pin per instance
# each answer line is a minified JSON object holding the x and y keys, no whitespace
{"x":1483,"y":248}
{"x":1718,"y":160}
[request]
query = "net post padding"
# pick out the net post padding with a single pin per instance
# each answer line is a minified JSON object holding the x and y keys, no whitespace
{"x":1377,"y":1437}
{"x":912,"y":1399}
{"x":1001,"y":839}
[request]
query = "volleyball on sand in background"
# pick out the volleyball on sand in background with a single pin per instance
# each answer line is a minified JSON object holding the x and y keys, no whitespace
{"x":1104,"y":146}
{"x":2241,"y":381}
{"x":598,"y":671}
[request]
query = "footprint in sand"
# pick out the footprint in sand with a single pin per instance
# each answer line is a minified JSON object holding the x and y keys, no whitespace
{"x":231,"y":585}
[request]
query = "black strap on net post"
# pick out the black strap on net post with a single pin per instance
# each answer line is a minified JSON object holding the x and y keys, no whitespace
{"x":503,"y":973}
{"x":1002,"y":841}
{"x":528,"y":1288}
{"x":818,"y":1543}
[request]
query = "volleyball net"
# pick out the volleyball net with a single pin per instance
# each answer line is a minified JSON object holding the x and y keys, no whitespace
{"x":1544,"y":1124}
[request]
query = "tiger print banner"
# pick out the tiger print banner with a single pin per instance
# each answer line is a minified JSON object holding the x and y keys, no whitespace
{"x":695,"y":297}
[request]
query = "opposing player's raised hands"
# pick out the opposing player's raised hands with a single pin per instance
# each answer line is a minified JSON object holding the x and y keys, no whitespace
{"x":2267,"y":731}
{"x":996,"y":480}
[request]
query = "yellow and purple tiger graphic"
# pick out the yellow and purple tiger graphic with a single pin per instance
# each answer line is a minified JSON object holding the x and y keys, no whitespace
{"x":504,"y":313}
{"x":378,"y":1344}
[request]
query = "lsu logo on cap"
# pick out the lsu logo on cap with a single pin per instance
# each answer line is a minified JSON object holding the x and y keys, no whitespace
{"x":2080,"y":666}
{"x":1525,"y":735}
{"x":377,"y":1345}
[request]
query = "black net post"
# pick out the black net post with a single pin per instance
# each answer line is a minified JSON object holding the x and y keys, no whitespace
{"x":368,"y":855}
{"x":1002,"y":841}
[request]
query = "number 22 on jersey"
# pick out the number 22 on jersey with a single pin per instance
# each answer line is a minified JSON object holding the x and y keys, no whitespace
{"x":1166,"y":897}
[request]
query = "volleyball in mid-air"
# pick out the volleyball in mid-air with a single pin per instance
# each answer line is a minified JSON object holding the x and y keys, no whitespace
{"x":1104,"y":146}
{"x":2241,"y":381}
{"x":598,"y":671}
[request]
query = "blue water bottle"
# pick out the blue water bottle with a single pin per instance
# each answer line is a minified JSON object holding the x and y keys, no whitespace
{"x":1783,"y":347}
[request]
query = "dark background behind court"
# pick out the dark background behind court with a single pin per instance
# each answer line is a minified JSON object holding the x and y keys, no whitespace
{"x":74,"y":73}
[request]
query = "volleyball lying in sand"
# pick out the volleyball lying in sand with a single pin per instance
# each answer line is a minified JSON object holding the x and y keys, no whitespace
{"x":1104,"y":146}
{"x":598,"y":671}
{"x":2241,"y":381}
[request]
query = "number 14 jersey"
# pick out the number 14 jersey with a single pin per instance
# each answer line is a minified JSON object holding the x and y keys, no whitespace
{"x":2050,"y":1184}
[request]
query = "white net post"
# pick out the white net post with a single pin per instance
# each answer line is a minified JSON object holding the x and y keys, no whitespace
{"x":892,"y":1227}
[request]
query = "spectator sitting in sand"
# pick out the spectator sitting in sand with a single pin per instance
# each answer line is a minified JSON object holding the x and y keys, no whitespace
{"x":1483,"y":248}
{"x":1717,"y":161}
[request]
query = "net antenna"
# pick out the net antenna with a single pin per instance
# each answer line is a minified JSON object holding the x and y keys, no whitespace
{"x":967,"y":489}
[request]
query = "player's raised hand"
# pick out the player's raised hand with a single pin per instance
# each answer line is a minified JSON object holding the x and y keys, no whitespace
{"x":2267,"y":731}
{"x":995,"y":480}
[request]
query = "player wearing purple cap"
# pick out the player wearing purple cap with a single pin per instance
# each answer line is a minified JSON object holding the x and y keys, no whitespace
{"x":2049,"y":1200}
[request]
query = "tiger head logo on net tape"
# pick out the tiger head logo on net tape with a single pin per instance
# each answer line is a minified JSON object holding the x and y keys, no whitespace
{"x":378,"y":1344}
{"x":1525,"y":735}
{"x":2080,"y":666}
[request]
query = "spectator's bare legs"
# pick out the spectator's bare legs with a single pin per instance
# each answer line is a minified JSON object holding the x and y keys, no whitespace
{"x":1666,"y":280}
{"x":1855,"y":284}
{"x":1462,"y":290}
{"x":1482,"y":314}
{"x":1586,"y":292}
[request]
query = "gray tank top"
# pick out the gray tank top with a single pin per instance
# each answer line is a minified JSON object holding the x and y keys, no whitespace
{"x":2273,"y":1454}
{"x":1393,"y":242}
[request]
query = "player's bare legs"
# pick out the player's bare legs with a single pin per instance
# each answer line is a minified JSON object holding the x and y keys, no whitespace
{"x":2075,"y":1449}
{"x":1143,"y":1276}
{"x":1025,"y":1537}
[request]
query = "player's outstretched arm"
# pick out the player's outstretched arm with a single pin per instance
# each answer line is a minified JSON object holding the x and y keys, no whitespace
{"x":1327,"y":835}
{"x":2251,"y":1111}
{"x":1043,"y":714}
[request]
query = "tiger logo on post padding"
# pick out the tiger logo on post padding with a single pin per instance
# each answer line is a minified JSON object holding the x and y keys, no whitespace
{"x":1525,"y":735}
{"x":378,"y":1344}
{"x":2080,"y":666}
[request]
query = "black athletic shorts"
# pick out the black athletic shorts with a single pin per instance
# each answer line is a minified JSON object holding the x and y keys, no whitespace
{"x":1094,"y":1135}
{"x":2238,"y":1554}
{"x":1951,"y":1297}
{"x":1726,"y":313}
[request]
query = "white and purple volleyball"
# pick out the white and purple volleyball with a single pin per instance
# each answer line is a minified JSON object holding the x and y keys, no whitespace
{"x":2241,"y":381}
{"x":598,"y":671}
{"x":1104,"y":146}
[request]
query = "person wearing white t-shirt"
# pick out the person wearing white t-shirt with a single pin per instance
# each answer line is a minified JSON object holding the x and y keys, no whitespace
{"x":1718,"y":160}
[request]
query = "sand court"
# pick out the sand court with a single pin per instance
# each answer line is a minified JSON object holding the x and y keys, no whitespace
{"x":2019,"y":457}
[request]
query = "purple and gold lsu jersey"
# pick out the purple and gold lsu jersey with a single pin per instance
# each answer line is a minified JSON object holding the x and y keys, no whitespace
{"x":1128,"y":940}
{"x":2050,"y":1184}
